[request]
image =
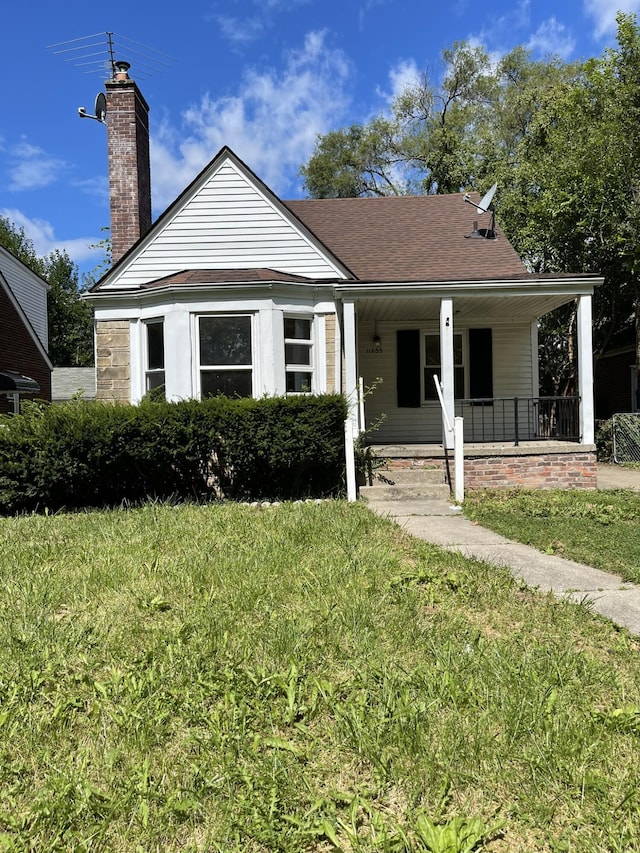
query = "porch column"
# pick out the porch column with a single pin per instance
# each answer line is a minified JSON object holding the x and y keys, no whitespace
{"x":350,"y":360}
{"x":447,"y":368}
{"x":585,"y":370}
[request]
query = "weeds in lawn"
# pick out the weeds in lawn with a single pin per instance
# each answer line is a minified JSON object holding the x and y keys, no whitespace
{"x":595,"y":528}
{"x":301,"y":678}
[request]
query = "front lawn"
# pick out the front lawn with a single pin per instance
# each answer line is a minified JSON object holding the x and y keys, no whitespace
{"x":300,"y":678}
{"x":599,"y":529}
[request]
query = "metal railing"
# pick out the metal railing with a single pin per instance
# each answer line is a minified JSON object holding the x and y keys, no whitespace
{"x":520,"y":418}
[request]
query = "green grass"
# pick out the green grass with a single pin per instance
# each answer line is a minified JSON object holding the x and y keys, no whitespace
{"x":300,"y":678}
{"x":599,"y":529}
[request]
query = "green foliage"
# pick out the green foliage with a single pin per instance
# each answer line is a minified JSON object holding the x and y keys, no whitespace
{"x":562,"y":141}
{"x":70,"y":319}
{"x":604,"y":441}
{"x":299,"y":678}
{"x":595,"y":528}
{"x":84,"y":454}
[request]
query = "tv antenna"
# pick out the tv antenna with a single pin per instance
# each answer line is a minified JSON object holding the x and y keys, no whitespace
{"x":485,"y":205}
{"x":96,"y":54}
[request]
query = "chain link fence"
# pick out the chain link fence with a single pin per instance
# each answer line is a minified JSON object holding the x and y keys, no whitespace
{"x":626,"y":437}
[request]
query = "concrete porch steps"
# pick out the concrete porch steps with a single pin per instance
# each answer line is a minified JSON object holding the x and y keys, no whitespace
{"x":401,"y":484}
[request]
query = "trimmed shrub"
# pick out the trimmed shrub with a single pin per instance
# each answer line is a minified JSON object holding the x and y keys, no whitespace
{"x":83,"y":454}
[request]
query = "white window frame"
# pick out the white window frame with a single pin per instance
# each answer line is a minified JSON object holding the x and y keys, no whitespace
{"x":310,"y":344}
{"x":199,"y":368}
{"x":433,"y":333}
{"x":153,"y":371}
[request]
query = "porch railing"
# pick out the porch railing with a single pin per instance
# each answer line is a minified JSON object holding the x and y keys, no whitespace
{"x":520,"y":418}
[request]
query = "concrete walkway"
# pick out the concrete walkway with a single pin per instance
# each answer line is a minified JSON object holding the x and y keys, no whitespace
{"x":444,"y":525}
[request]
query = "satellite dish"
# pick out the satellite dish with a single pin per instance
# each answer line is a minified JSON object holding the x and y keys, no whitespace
{"x":486,"y":200}
{"x":100,"y":109}
{"x":484,"y":206}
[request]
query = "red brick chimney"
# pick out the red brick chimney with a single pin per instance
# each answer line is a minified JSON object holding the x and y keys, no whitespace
{"x":128,"y":153}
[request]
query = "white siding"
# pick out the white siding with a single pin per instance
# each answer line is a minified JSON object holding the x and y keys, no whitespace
{"x":512,"y":377}
{"x":228,"y":222}
{"x":30,"y":291}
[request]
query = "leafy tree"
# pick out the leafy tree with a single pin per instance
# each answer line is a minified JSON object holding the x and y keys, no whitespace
{"x":563,"y":142}
{"x":70,"y":319}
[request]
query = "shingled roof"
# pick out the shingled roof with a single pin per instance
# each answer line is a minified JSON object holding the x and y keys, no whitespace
{"x":223,"y":276}
{"x":409,"y":238}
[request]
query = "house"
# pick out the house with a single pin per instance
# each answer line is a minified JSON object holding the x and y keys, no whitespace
{"x":25,"y":368}
{"x":70,"y":382}
{"x":233,"y":290}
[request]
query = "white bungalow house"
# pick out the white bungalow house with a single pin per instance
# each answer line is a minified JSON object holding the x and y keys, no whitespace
{"x":233,"y":290}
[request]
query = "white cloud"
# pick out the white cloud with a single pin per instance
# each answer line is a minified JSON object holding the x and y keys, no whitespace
{"x":41,"y":233}
{"x":240,"y":31}
{"x":604,"y":14}
{"x":403,"y":76}
{"x":32,"y":168}
{"x":271,"y":123}
{"x":552,"y":38}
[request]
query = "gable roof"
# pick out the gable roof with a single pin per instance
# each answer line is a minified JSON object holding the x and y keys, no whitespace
{"x":227,"y":218}
{"x":29,"y":291}
{"x":409,"y":238}
{"x":21,"y":315}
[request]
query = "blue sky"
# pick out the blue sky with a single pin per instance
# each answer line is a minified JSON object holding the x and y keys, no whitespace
{"x":262,"y":76}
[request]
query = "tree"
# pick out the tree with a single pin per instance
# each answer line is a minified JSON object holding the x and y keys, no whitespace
{"x":70,"y":319}
{"x":562,"y":141}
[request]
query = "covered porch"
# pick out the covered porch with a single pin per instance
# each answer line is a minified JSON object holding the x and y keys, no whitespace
{"x":480,"y":341}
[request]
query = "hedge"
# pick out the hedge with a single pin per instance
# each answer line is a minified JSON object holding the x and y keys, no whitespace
{"x":86,"y":454}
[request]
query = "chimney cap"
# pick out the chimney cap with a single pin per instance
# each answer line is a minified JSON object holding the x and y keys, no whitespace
{"x":120,"y":70}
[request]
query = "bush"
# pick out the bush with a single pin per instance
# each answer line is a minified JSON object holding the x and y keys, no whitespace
{"x":604,"y":441}
{"x":83,"y":454}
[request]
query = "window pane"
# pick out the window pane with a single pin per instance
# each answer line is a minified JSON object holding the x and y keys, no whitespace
{"x":298,"y":382}
{"x":155,"y":346}
{"x":225,"y":340}
{"x":297,"y":354}
{"x":298,"y":329}
{"x":432,"y":349}
{"x":155,"y":380}
{"x":230,"y":383}
{"x":430,"y":392}
{"x":457,"y":349}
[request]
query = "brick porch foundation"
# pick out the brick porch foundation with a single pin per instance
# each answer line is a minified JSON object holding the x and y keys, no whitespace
{"x":532,"y":465}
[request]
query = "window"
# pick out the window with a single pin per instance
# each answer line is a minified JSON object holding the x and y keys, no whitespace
{"x":432,"y":365}
{"x":225,"y":356}
{"x":298,"y":355}
{"x":154,"y":373}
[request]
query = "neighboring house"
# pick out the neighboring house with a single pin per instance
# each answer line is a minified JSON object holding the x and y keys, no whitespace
{"x":234,"y":291}
{"x":70,"y":382}
{"x":25,"y":368}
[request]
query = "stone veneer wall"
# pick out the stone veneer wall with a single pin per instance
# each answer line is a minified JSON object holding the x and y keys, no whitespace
{"x":330,"y":355}
{"x":113,"y":361}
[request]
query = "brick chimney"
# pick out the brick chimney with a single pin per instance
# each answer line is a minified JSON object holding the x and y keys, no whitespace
{"x":128,"y":152}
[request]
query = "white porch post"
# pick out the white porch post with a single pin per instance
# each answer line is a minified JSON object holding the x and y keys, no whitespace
{"x":350,"y":360}
{"x":351,"y":393}
{"x":447,"y":364}
{"x":585,"y":370}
